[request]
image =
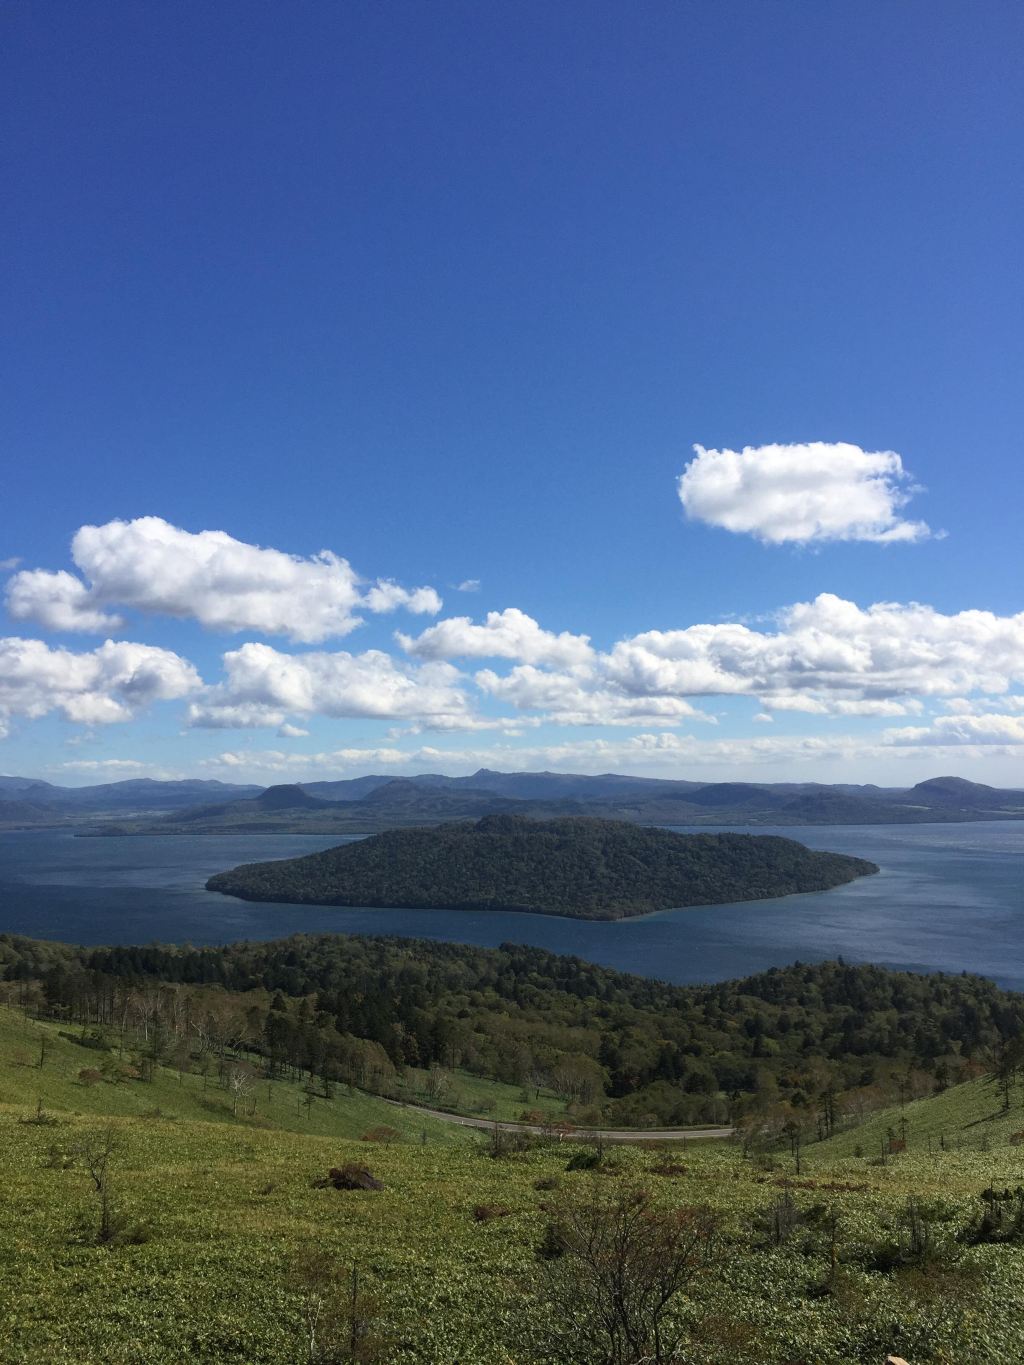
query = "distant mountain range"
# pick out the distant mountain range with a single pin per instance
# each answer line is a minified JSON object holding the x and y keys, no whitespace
{"x":30,"y":801}
{"x":369,"y":804}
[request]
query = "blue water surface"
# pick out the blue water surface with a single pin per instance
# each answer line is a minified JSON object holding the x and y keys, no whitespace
{"x":948,"y":897}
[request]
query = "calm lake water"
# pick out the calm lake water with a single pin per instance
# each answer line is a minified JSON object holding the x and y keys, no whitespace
{"x":949,"y":897}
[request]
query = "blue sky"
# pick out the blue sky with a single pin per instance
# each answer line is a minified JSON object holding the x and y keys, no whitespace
{"x":453,"y":292}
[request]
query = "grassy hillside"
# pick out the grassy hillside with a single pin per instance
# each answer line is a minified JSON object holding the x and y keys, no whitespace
{"x":182,"y":1096}
{"x":227,"y":1213}
{"x":582,"y":868}
{"x":218,"y":1216}
{"x":966,"y":1117}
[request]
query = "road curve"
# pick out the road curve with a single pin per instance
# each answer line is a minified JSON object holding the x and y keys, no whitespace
{"x":577,"y":1134}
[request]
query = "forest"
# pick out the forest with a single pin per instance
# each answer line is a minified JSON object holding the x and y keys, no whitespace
{"x":818,"y":1041}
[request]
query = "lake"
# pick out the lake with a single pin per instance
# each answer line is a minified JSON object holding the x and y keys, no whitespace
{"x":948,"y":897}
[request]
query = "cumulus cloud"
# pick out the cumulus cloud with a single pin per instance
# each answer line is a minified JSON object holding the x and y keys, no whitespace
{"x":99,"y":687}
{"x":469,"y":585}
{"x":574,"y":699}
{"x":982,"y":728}
{"x":388,"y":596}
{"x":818,"y":491}
{"x":59,"y":601}
{"x":226,"y":584}
{"x":265,"y":686}
{"x":508,"y":634}
{"x":829,"y":651}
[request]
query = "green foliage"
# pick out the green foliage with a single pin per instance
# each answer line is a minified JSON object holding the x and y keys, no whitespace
{"x":233,"y":1218}
{"x":496,"y":1033}
{"x":582,"y":868}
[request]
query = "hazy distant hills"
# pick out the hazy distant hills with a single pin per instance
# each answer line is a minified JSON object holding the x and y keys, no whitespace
{"x":369,"y":804}
{"x":29,"y":801}
{"x":581,"y":868}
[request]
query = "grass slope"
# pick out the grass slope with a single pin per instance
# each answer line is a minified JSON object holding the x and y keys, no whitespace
{"x":230,"y":1205}
{"x":968,"y":1116}
{"x":186,"y":1097}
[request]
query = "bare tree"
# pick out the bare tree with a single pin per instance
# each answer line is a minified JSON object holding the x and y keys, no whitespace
{"x":97,"y":1151}
{"x":340,"y":1319}
{"x":240,"y":1082}
{"x":613,"y":1267}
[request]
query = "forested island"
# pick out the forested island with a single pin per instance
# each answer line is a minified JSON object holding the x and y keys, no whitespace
{"x":579,"y":868}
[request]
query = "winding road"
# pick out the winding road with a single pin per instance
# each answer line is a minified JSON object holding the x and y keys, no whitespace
{"x":578,"y":1134}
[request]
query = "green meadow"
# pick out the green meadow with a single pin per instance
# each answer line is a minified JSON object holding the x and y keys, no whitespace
{"x":219,"y":1212}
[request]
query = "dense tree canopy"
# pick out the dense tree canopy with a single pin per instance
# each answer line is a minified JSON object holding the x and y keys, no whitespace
{"x":582,"y":868}
{"x":642,"y":1051}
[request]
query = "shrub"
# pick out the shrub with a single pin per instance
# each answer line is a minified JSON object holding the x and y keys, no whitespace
{"x":381,"y":1133}
{"x":349,"y":1177}
{"x":483,"y":1213}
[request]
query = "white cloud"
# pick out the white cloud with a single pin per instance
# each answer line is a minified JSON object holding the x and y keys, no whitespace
{"x":508,"y":634}
{"x":818,"y":491}
{"x":966,"y":706}
{"x":388,"y":596}
{"x":59,"y":601}
{"x":105,"y":685}
{"x":573,"y":699}
{"x":265,"y":686}
{"x":469,"y":585}
{"x":223,"y":583}
{"x":831,"y":651}
{"x":841,"y":706}
{"x":979,"y":729}
{"x":289,"y":731}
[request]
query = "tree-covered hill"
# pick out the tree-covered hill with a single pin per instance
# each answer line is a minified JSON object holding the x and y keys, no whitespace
{"x":805,"y":1041}
{"x":581,"y":868}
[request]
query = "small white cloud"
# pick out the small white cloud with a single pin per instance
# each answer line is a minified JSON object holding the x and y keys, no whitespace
{"x":7,"y":564}
{"x":508,"y":634}
{"x":469,"y":585}
{"x":801,"y":494}
{"x":388,"y":596}
{"x":289,"y":731}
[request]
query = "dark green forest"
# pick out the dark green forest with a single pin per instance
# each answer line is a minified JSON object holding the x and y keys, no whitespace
{"x":580,"y":868}
{"x":623,"y":1048}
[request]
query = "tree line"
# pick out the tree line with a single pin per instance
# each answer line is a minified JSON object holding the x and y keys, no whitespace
{"x":818,"y":1039}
